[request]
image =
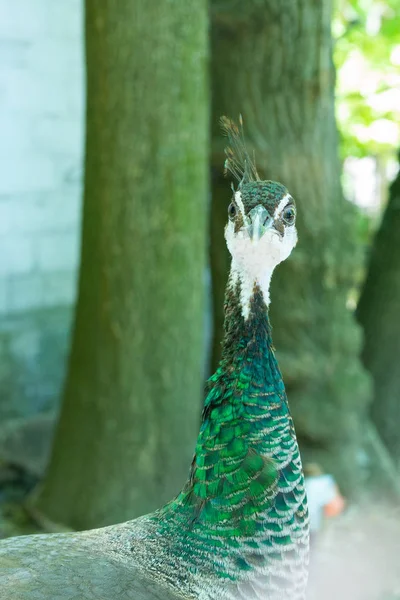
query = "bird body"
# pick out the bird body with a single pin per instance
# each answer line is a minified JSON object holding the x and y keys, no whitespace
{"x":239,"y":527}
{"x":93,"y":565}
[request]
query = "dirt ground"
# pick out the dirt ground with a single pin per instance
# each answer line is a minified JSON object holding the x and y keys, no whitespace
{"x":357,"y":556}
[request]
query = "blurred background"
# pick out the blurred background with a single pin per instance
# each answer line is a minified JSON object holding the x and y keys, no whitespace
{"x":113,"y":264}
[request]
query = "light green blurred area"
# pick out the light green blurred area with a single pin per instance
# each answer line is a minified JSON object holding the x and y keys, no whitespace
{"x":367,"y":59}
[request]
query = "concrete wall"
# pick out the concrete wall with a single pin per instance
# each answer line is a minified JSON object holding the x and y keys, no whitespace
{"x":41,"y":142}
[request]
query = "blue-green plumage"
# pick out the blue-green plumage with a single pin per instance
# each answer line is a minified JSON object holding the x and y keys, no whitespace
{"x":242,"y":515}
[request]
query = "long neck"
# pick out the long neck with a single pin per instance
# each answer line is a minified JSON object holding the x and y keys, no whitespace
{"x":246,"y":282}
{"x":246,"y":316}
{"x":241,"y":518}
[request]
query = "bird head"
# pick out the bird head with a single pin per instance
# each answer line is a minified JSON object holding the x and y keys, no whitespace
{"x":261,"y":229}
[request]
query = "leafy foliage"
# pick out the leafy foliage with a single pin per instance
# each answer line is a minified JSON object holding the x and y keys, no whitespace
{"x":367,"y":58}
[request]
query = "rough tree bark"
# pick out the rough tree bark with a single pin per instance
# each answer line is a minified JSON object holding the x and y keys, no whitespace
{"x":272,"y":62}
{"x":378,"y":311}
{"x":131,"y":401}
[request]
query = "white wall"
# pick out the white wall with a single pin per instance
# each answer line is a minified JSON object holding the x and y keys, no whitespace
{"x":41,"y":142}
{"x":41,"y":138}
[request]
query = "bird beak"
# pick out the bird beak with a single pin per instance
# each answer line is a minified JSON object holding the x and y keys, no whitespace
{"x":258,"y":222}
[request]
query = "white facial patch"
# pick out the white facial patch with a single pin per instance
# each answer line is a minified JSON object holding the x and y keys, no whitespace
{"x":282,"y":205}
{"x":253,"y":262}
{"x":239,"y":202}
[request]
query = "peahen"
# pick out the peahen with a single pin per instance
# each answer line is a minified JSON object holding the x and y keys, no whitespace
{"x":239,"y":527}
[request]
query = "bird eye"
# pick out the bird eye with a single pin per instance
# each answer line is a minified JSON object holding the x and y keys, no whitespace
{"x":289,"y":215}
{"x":231,"y":210}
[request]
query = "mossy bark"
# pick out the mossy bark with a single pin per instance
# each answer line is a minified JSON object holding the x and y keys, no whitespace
{"x":272,"y":62}
{"x":132,"y":395}
{"x":378,"y":311}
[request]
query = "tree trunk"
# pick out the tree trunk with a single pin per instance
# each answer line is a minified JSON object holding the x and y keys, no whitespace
{"x":272,"y":62}
{"x":378,"y":312}
{"x":131,"y":401}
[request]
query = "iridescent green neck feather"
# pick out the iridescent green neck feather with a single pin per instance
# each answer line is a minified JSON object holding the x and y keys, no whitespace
{"x":239,"y":528}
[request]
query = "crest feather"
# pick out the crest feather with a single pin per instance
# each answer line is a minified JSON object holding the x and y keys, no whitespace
{"x":238,"y":161}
